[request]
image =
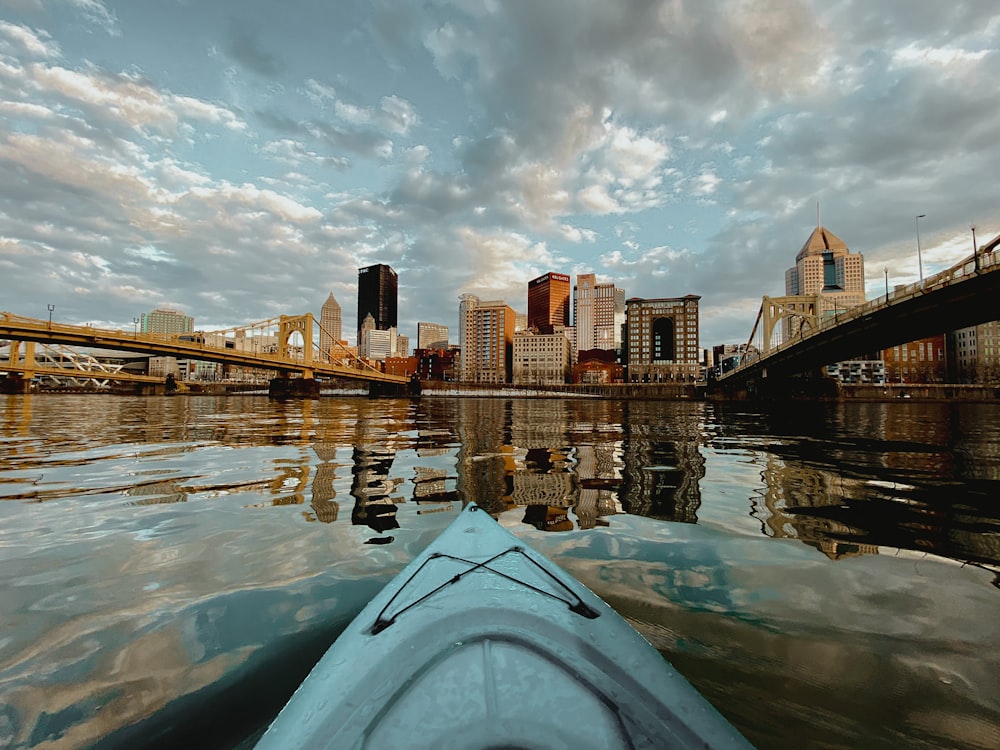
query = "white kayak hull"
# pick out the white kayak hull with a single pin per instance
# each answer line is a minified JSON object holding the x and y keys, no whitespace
{"x":481,"y":642}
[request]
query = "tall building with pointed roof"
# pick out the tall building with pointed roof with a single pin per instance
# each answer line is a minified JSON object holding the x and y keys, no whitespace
{"x":826,"y":267}
{"x":331,"y":327}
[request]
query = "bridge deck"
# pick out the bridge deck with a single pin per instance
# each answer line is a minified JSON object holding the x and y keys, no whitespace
{"x":958,"y":297}
{"x":18,"y":328}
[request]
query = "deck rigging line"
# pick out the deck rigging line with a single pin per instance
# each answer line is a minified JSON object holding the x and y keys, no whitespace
{"x":574,"y":602}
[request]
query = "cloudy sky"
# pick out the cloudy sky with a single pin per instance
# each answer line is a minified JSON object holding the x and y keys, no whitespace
{"x":241,"y":159}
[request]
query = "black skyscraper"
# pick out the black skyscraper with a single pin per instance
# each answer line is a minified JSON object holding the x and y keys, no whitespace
{"x":377,"y":287}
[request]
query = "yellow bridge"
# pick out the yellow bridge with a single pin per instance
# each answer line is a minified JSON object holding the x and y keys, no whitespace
{"x":292,"y":350}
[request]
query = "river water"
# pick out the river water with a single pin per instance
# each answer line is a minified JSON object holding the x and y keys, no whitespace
{"x":170,"y":567}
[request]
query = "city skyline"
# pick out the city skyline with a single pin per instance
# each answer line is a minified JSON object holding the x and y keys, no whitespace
{"x":239,"y":160}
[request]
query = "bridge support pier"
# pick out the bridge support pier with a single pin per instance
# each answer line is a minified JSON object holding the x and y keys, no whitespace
{"x":15,"y":383}
{"x":391,"y":390}
{"x":293,"y":388}
{"x":802,"y":388}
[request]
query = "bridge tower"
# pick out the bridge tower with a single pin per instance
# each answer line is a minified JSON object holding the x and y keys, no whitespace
{"x":307,"y":386}
{"x":800,"y":313}
{"x":302,"y":324}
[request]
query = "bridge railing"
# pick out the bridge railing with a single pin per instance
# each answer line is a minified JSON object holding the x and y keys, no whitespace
{"x":189,"y":345}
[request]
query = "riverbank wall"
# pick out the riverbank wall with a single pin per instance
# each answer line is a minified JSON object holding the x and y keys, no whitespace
{"x":617,"y":391}
{"x":926,"y":392}
{"x":627,"y":391}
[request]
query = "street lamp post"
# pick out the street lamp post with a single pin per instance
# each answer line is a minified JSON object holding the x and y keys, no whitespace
{"x":135,"y":327}
{"x":975,"y":252}
{"x":920,"y":261}
{"x":885,"y":270}
{"x":51,"y":308}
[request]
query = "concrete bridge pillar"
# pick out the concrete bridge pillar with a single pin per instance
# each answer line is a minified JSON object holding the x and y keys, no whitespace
{"x":285,"y":387}
{"x":16,"y":383}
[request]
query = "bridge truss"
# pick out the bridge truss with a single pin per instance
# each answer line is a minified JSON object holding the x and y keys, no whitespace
{"x":285,"y":345}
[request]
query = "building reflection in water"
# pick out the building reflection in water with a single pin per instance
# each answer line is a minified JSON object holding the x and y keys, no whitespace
{"x":156,"y":493}
{"x":372,"y":488}
{"x":542,"y":479}
{"x":323,"y":491}
{"x":485,"y":454}
{"x":808,"y":494}
{"x":430,"y":484}
{"x":663,"y":466}
{"x":556,"y":459}
{"x":794,"y":497}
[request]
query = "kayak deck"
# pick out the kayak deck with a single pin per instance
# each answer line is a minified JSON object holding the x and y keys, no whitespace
{"x":481,"y":642}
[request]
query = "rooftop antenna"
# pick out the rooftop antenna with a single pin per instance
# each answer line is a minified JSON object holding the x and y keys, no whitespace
{"x":818,"y":222}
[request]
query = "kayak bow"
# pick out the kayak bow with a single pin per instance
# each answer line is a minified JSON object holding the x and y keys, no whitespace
{"x":481,"y":642}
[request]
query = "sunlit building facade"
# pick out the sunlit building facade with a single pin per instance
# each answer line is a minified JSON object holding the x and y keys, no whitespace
{"x":662,"y":339}
{"x":598,"y":314}
{"x":331,"y":325}
{"x":548,"y":302}
{"x":541,"y":358}
{"x":432,"y":336}
{"x":825,"y":267}
{"x":486,"y":339}
{"x":166,"y":321}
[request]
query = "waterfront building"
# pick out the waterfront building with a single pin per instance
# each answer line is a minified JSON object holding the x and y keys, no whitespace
{"x":541,"y":358}
{"x":598,"y":314}
{"x":662,"y":339}
{"x":486,"y":338}
{"x":166,"y":321}
{"x":597,"y":367}
{"x":378,"y":288}
{"x":920,"y":361}
{"x":330,"y":326}
{"x":432,"y":336}
{"x":401,"y":365}
{"x":975,"y":353}
{"x":858,"y":371}
{"x":163,"y":366}
{"x":825,"y":267}
{"x":435,"y":364}
{"x":548,"y":302}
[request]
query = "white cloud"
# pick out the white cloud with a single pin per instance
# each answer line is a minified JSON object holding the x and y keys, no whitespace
{"x":943,"y":58}
{"x":125,"y":99}
{"x":16,"y":40}
{"x":97,"y":13}
{"x":595,"y":199}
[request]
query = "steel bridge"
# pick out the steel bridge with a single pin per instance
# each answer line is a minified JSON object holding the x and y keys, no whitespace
{"x":292,"y":350}
{"x":793,"y":335}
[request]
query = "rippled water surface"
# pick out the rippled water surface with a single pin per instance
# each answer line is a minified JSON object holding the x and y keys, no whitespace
{"x":170,"y":568}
